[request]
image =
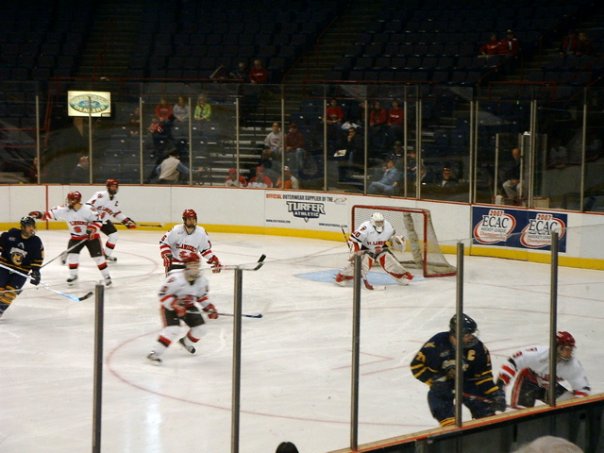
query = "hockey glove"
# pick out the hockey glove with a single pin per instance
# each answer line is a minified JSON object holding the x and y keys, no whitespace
{"x":215,"y":263}
{"x":129,"y":223}
{"x":167,"y":261}
{"x":179,"y":308}
{"x":210,"y":309}
{"x":499,"y":403}
{"x":36,"y":214}
{"x":35,"y":277}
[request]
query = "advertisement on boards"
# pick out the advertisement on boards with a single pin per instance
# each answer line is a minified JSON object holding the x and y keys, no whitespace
{"x":306,"y":211}
{"x":505,"y":227}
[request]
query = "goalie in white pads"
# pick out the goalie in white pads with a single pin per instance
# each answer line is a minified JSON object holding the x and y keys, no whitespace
{"x":373,"y":239}
{"x":105,"y":202}
{"x":182,"y":296}
{"x":185,"y":238}
{"x":530,"y":369}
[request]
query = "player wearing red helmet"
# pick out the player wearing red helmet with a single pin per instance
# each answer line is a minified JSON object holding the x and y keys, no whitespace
{"x":182,"y":297}
{"x":105,"y":202}
{"x":84,"y":225}
{"x":185,"y":238}
{"x":529,"y":369}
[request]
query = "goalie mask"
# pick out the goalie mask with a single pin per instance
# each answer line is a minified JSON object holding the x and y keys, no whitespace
{"x":377,"y":221}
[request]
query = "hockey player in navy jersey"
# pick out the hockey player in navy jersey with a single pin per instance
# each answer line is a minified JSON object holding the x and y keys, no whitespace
{"x":23,"y":251}
{"x":434,"y":365}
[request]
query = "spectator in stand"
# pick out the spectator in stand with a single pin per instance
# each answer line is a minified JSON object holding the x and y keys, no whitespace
{"x":233,"y":181}
{"x":447,"y":178}
{"x":241,"y":72}
{"x":273,"y":142}
{"x":549,"y":444}
{"x":558,"y":154}
{"x":260,"y":180}
{"x":584,"y":45}
{"x":389,"y":183}
{"x":513,"y":179}
{"x":569,"y":44}
{"x":510,"y":45}
{"x":161,"y":134}
{"x":203,"y":110}
{"x":396,"y":118}
{"x":492,"y":47}
{"x":258,"y":74}
{"x":378,"y":117}
{"x":134,"y":122}
{"x":334,"y":114}
{"x":81,"y":172}
{"x":164,"y":111}
{"x":294,"y":148}
{"x":181,"y":110}
{"x":291,"y":182}
{"x":180,"y":129}
{"x":171,"y":169}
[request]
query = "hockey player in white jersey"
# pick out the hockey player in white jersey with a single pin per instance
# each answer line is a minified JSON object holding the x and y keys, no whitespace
{"x":105,"y":202}
{"x":182,"y":296}
{"x":84,"y":226}
{"x":372,"y":239}
{"x":185,"y":238}
{"x":530,"y":369}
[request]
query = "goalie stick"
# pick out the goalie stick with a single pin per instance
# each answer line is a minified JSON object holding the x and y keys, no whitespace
{"x":246,"y":267}
{"x":71,"y":297}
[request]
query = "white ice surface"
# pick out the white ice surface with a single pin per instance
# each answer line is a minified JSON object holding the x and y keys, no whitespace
{"x":296,"y":359}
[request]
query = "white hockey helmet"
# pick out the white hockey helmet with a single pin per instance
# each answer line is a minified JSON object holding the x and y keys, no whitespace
{"x":377,"y":220}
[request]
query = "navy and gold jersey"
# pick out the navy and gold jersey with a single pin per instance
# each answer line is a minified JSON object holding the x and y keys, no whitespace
{"x":437,"y":355}
{"x":21,"y":254}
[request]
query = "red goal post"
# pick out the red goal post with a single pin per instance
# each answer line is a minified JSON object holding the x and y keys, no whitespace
{"x":422,"y":250}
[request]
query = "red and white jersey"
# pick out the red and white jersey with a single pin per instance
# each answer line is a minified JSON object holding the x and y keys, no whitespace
{"x":537,"y":360}
{"x":77,"y":221}
{"x":176,"y":287}
{"x":106,"y":205}
{"x":366,"y":237}
{"x":179,"y":242}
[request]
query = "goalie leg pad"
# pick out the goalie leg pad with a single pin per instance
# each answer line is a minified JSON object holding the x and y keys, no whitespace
{"x":347,"y":274}
{"x":393,"y":268}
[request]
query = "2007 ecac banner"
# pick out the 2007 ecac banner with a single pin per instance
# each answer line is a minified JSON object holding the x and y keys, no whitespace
{"x":531,"y":229}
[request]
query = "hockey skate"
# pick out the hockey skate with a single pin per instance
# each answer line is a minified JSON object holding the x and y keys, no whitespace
{"x":154,"y":358}
{"x":110,"y":259}
{"x":108,"y":281}
{"x":71,"y":280}
{"x":341,"y":279}
{"x":190,"y":349}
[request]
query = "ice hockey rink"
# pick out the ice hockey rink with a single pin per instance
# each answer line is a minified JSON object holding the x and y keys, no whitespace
{"x":296,"y":360}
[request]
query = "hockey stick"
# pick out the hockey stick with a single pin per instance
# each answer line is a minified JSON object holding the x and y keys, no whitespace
{"x":71,"y":297}
{"x":480,"y":398}
{"x":245,"y":315}
{"x":245,"y":267}
{"x":64,"y":252}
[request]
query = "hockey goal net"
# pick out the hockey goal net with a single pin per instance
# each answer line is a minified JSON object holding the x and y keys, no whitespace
{"x":422,"y":250}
